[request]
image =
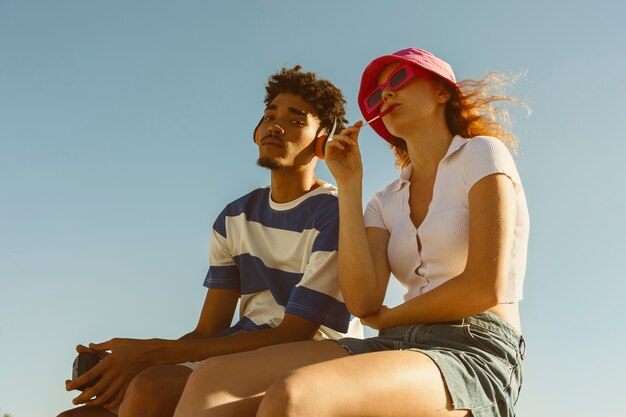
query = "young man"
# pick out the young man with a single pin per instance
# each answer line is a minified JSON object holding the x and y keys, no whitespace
{"x":275,"y":248}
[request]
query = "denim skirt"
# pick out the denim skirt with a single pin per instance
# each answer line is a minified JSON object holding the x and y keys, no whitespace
{"x":479,"y":358}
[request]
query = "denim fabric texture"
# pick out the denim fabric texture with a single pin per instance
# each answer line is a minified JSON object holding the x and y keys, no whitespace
{"x":479,"y":357}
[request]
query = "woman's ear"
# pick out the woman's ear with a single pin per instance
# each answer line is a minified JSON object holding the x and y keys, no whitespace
{"x":444,"y":94}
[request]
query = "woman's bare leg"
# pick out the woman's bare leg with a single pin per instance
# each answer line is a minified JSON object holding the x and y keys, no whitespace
{"x":381,"y":384}
{"x":233,"y":385}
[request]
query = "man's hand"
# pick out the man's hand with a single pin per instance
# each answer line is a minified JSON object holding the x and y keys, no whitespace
{"x":379,"y":320}
{"x":126,"y":359}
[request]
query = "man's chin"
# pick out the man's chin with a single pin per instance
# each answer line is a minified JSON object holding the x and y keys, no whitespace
{"x":269,"y":163}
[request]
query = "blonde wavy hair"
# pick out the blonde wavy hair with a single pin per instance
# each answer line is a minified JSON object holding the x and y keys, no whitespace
{"x":471,"y":112}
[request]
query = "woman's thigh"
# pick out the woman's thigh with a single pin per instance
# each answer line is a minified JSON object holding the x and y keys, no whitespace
{"x":390,"y":383}
{"x":234,"y":384}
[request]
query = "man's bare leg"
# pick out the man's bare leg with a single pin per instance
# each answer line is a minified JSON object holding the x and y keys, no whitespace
{"x":85,"y":411}
{"x":153,"y":393}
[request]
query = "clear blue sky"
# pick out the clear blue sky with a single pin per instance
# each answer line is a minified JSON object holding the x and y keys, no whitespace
{"x":125,"y":127}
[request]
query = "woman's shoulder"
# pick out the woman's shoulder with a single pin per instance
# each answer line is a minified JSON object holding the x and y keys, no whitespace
{"x":397,"y":184}
{"x":385,"y":195}
{"x":485,"y":145}
{"x":484,"y":155}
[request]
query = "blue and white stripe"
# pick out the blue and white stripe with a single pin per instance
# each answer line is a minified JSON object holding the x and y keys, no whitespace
{"x":282,"y":257}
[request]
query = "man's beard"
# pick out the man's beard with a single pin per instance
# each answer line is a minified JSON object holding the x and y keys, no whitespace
{"x":269,"y":163}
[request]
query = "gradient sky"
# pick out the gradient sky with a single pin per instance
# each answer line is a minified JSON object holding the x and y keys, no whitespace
{"x":125,"y":127}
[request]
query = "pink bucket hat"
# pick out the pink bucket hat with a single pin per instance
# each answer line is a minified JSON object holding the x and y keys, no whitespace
{"x":418,"y":57}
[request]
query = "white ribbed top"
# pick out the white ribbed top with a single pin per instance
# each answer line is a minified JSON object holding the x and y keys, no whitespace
{"x":444,"y":233}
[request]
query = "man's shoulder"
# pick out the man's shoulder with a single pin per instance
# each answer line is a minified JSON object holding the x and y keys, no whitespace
{"x":243,"y":203}
{"x":322,"y":202}
{"x":314,"y":210}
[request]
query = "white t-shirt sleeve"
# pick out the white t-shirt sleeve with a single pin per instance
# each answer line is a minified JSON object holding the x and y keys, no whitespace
{"x":223,"y":271}
{"x":374,"y":212}
{"x":485,"y":156}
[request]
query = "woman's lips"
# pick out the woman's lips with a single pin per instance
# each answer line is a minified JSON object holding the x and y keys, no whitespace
{"x":389,"y":109}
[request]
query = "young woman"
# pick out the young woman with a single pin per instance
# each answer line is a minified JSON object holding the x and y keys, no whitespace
{"x":453,"y":229}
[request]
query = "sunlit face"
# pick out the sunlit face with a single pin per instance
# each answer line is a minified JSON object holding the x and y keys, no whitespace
{"x":286,"y":132}
{"x":419,"y":100}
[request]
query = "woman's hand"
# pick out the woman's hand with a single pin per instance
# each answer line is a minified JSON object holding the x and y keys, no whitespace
{"x":379,"y":320}
{"x":343,"y":156}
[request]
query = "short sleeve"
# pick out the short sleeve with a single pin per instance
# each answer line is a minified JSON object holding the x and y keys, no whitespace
{"x":485,"y":156}
{"x":317,"y":297}
{"x":373,"y":216}
{"x":223,"y":271}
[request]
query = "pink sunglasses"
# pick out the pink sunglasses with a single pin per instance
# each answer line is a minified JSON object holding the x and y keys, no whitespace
{"x":399,"y":77}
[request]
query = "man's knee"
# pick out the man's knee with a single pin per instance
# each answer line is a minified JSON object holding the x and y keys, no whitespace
{"x":154,"y":390}
{"x":143,"y":385}
{"x":85,"y":411}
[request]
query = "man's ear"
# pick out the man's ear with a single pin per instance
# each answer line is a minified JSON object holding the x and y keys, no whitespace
{"x":319,"y":143}
{"x":256,"y":131}
{"x":321,"y":131}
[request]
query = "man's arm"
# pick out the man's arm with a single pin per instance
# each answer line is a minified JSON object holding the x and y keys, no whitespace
{"x":110,"y":390}
{"x":217,"y":313}
{"x":292,"y":328}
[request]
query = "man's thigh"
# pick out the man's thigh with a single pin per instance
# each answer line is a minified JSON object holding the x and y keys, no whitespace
{"x":158,"y":388}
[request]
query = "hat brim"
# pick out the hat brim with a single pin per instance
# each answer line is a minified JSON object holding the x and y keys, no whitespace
{"x":369,"y":80}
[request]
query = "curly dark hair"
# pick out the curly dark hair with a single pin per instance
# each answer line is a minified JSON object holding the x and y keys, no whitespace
{"x":321,"y":94}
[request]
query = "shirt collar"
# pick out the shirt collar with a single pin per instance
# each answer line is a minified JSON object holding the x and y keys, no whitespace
{"x":455,"y":145}
{"x":405,"y":175}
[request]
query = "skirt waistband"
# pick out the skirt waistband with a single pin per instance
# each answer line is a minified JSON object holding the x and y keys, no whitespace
{"x":497,"y":325}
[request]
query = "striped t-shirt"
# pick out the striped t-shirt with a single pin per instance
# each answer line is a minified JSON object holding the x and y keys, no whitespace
{"x":283,"y":259}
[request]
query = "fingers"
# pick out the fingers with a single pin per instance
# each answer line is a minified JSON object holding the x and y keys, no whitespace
{"x":112,"y":399}
{"x":83,"y":379}
{"x":100,"y":347}
{"x":110,"y":393}
{"x":71,"y":385}
{"x":334,"y":146}
{"x":341,"y":142}
{"x":106,"y":395}
{"x":352,"y":131}
{"x":372,"y":321}
{"x":340,"y":148}
{"x":99,"y":389}
{"x":85,"y":396}
{"x":96,"y":348}
{"x":84,"y":349}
